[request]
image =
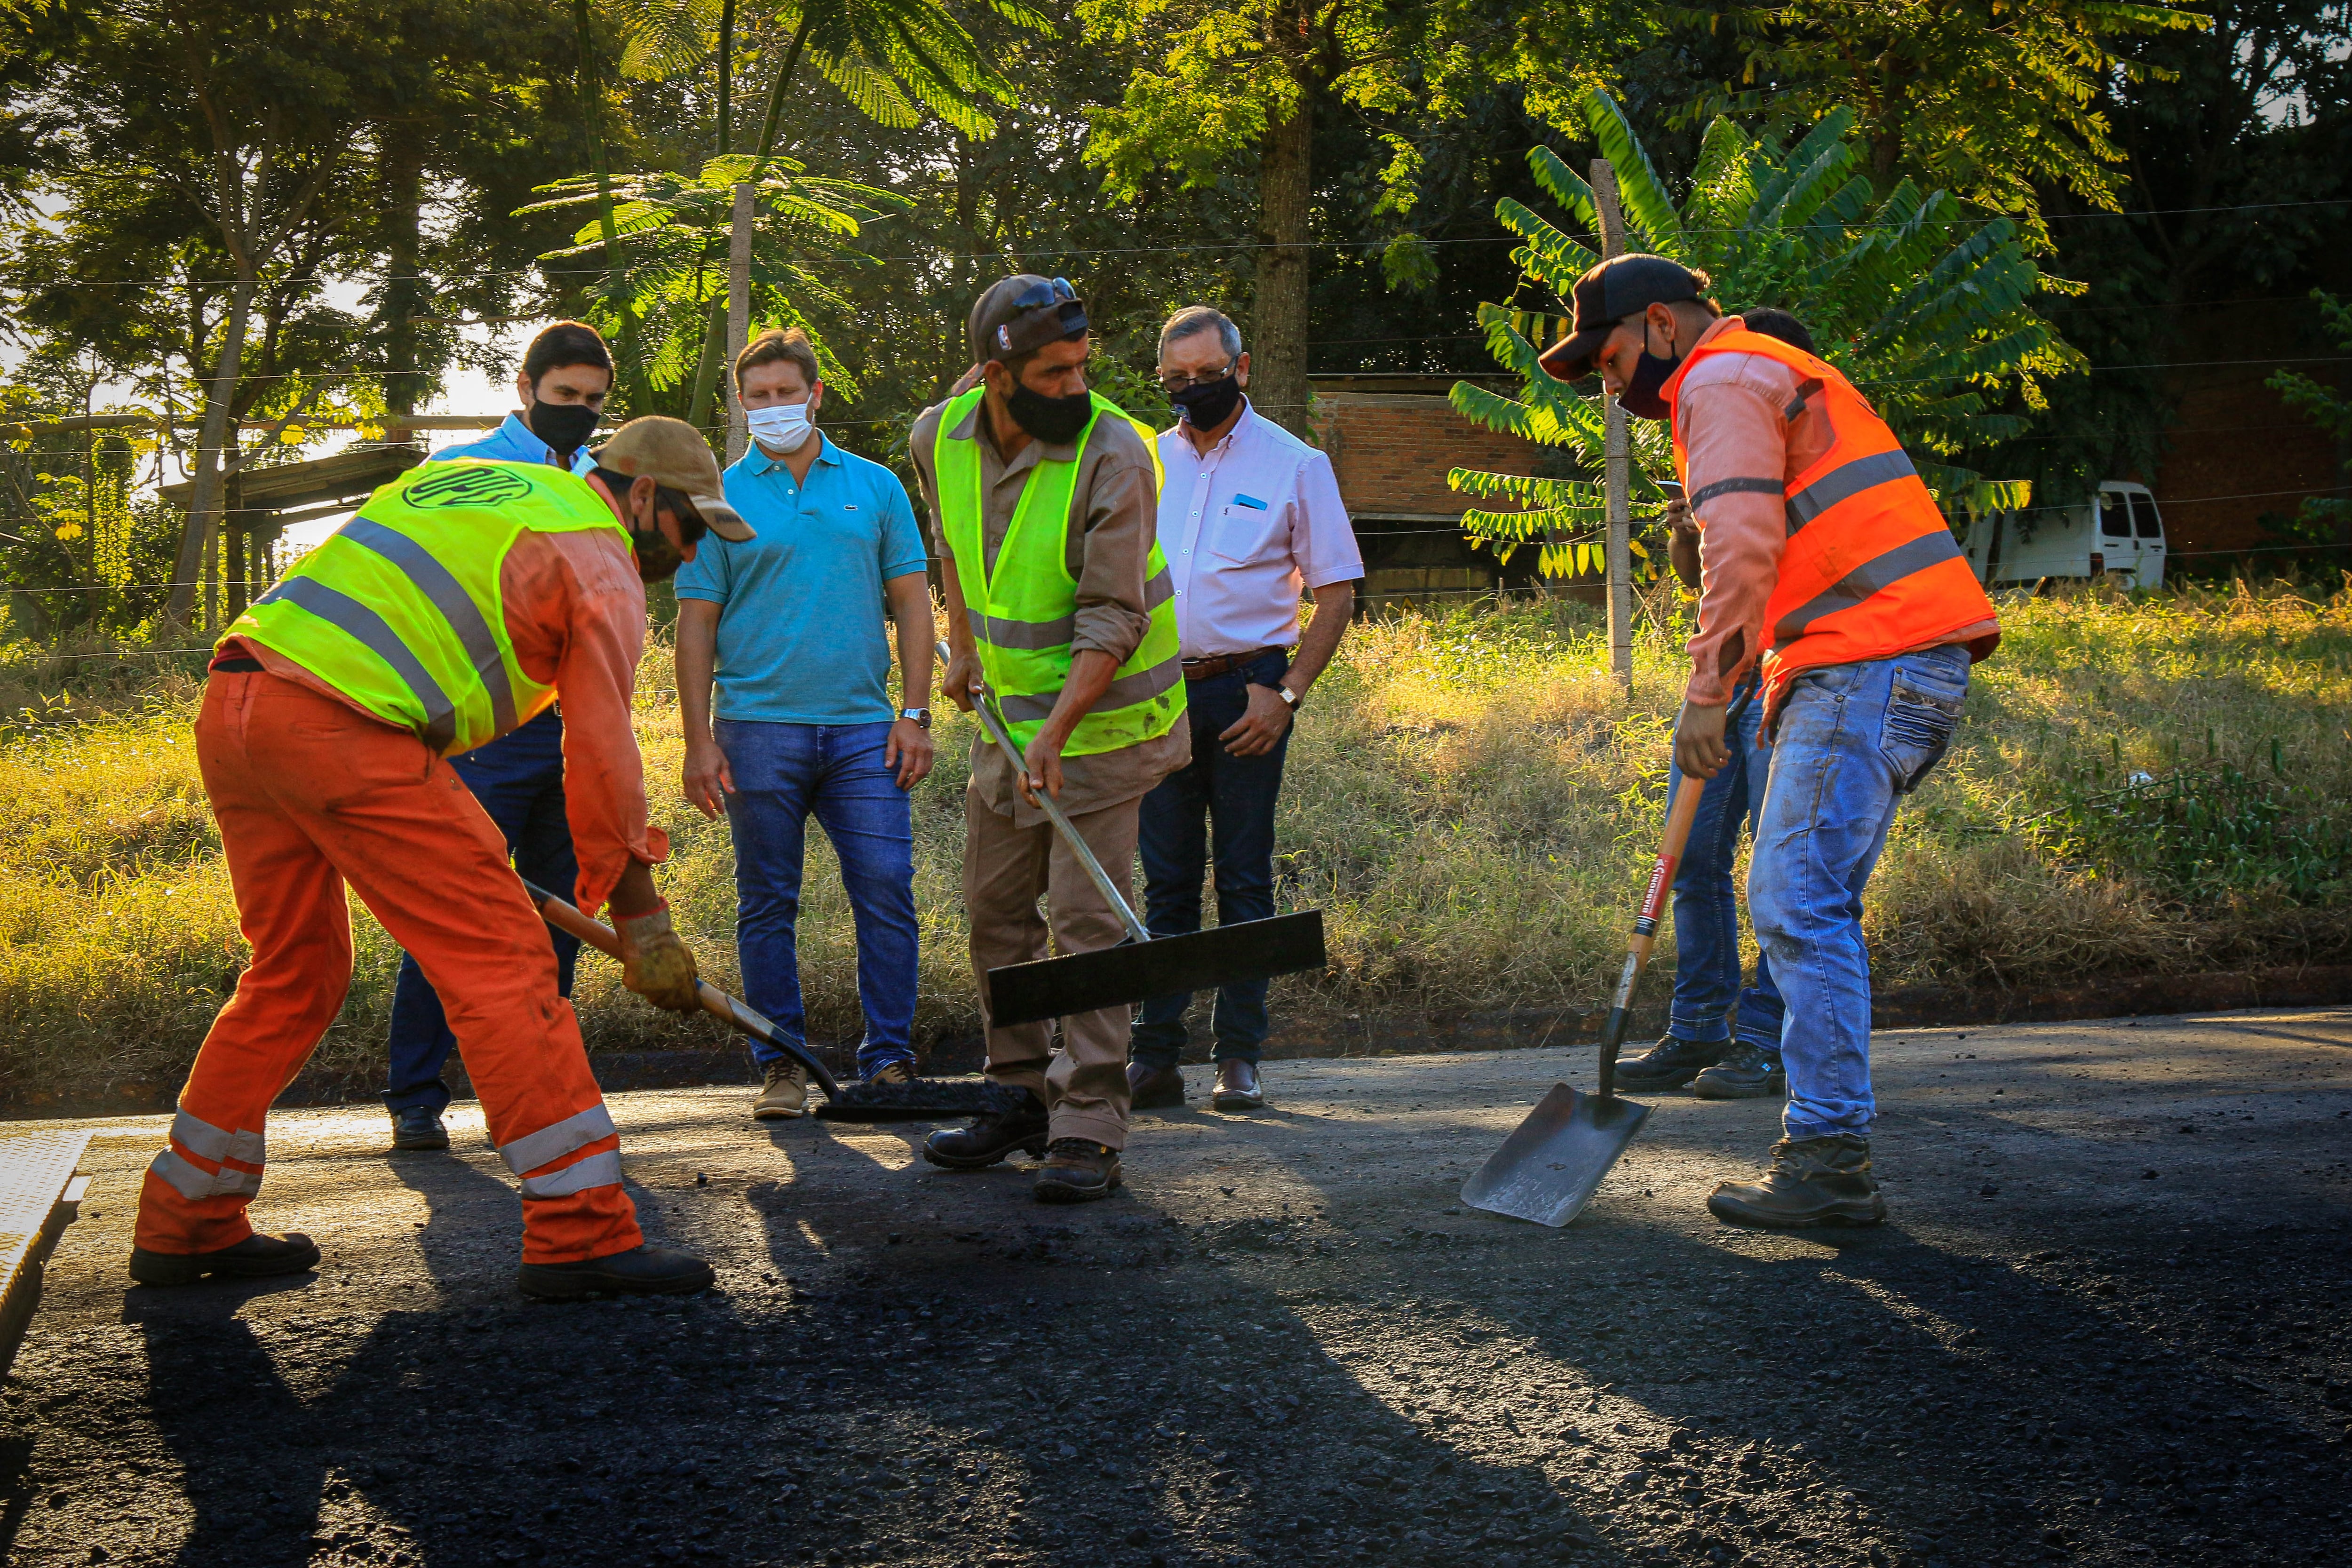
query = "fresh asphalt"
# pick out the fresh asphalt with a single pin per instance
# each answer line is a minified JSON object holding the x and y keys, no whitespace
{"x":2105,"y":1324}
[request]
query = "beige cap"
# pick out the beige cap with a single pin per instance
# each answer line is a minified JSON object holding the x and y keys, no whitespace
{"x":672,"y":453}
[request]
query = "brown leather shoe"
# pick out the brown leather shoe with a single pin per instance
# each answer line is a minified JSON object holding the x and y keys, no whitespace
{"x":784,"y":1095}
{"x":1812,"y":1180}
{"x":1237,"y":1086}
{"x":1153,"y":1088}
{"x":1075,"y":1170}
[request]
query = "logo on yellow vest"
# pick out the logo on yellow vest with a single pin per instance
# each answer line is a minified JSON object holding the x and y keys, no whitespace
{"x":463,"y":484}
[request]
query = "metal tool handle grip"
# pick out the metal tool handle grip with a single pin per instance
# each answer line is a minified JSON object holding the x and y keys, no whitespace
{"x":566,"y":916}
{"x":984,"y":705}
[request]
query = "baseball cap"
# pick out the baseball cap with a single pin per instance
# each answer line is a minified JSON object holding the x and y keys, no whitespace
{"x":1023,"y":312}
{"x":1607,"y":294}
{"x":673,"y":454}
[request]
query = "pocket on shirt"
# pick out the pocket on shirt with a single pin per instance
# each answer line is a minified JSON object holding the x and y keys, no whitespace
{"x":1248,"y":535}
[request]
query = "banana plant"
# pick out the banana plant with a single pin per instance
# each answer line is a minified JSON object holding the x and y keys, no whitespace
{"x":1927,"y":308}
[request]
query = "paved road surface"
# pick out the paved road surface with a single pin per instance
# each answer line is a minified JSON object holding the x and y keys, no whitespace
{"x":2107,"y":1323}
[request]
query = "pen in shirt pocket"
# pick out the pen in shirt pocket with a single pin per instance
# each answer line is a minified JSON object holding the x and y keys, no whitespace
{"x":1251,"y":501}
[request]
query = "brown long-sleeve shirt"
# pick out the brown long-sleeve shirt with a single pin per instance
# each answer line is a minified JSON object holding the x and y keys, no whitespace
{"x":1114,"y":520}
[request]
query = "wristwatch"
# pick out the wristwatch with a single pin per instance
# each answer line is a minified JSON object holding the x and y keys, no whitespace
{"x":1289,"y":698}
{"x":919,"y":715}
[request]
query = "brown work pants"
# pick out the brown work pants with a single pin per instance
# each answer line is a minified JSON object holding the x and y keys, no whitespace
{"x":1006,"y":868}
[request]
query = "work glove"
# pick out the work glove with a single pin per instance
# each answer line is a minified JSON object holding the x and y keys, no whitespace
{"x":655,"y":964}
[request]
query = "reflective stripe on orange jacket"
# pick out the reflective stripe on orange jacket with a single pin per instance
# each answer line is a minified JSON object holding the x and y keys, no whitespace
{"x":1871,"y":569}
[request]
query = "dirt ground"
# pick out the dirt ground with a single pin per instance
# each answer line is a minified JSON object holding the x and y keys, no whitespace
{"x":2107,"y":1323}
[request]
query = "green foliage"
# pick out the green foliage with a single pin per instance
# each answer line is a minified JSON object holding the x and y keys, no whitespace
{"x":2321,"y":518}
{"x":1994,"y":101}
{"x":1930,"y":312}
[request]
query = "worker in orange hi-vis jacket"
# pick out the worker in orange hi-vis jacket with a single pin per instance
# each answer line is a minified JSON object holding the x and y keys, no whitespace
{"x":460,"y":602}
{"x":1821,"y":553}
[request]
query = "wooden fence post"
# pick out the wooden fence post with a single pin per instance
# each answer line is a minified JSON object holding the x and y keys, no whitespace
{"x":1617,"y":463}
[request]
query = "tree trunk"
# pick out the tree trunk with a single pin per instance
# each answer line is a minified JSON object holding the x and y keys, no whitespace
{"x":726,"y":72}
{"x":706,"y":374}
{"x":195,"y":553}
{"x":238,"y":573}
{"x":1278,"y":348}
{"x":403,"y":193}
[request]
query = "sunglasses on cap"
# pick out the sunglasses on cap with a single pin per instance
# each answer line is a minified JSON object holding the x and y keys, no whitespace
{"x":1048,"y":291}
{"x":1047,"y":311}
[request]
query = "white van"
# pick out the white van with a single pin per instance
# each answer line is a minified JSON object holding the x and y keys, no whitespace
{"x":2118,"y":535}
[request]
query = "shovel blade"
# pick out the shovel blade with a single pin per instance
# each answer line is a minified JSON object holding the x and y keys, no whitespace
{"x":1546,"y":1171}
{"x":1135,"y":971}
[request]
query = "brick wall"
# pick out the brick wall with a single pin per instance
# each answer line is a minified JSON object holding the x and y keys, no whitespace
{"x":2235,"y":451}
{"x":1393,"y":451}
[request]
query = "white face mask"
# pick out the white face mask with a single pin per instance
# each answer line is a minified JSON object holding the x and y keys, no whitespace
{"x":781,"y":427}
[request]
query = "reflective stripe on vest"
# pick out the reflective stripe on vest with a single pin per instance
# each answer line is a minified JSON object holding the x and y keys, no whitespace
{"x":1023,"y":613}
{"x":401,"y":609}
{"x":1871,"y":569}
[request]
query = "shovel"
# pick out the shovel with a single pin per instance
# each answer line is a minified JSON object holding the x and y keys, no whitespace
{"x":1143,"y":966}
{"x":1547,"y":1169}
{"x":918,"y":1100}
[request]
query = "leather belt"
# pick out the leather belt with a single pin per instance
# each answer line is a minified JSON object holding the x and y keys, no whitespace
{"x":1225,"y":663}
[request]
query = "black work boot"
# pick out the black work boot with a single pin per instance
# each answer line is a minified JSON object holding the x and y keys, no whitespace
{"x":984,"y":1139}
{"x":1813,"y":1181}
{"x":1670,"y":1064}
{"x":1746,"y":1073}
{"x":643,"y":1270}
{"x":418,"y":1127}
{"x":256,"y":1258}
{"x":1154,"y":1088}
{"x":1076,"y":1169}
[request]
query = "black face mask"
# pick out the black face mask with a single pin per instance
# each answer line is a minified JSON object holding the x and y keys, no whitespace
{"x":565,"y":426}
{"x":1641,"y":397}
{"x":1053,"y":420}
{"x":1205,"y":404}
{"x":658,"y":559}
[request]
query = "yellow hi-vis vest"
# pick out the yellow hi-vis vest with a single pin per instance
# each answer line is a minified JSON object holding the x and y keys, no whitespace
{"x":400,"y":608}
{"x":1024,"y":612}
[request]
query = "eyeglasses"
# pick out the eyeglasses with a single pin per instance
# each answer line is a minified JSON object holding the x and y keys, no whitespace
{"x":1051,"y":291}
{"x":1172,"y":385}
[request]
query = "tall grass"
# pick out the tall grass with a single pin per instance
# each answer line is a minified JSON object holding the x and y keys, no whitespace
{"x":2140,"y":785}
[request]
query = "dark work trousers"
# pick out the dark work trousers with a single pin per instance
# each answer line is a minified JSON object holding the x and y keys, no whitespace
{"x":1222,"y":806}
{"x":518,"y":779}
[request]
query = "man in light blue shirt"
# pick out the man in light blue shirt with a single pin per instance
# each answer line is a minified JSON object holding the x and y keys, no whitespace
{"x":790,"y":625}
{"x":518,"y":778}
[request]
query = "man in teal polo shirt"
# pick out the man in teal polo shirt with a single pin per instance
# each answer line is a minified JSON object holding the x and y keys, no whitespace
{"x":791,"y":626}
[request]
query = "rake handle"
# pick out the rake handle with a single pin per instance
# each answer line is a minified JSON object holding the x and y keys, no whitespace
{"x":1654,"y":905}
{"x":985,"y":706}
{"x":565,"y":917}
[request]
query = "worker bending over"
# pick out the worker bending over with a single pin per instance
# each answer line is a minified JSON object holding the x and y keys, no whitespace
{"x":1046,"y":497}
{"x":460,"y":602}
{"x":1821,"y":551}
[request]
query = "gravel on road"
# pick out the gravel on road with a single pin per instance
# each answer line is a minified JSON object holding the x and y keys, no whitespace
{"x":2105,"y":1324}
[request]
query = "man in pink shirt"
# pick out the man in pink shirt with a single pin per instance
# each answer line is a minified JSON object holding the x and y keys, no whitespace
{"x":1250,"y":518}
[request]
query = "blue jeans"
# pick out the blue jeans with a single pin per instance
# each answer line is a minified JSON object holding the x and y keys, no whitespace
{"x":1229,"y":800}
{"x":518,"y":779}
{"x":783,"y":774}
{"x":1852,"y":740}
{"x":1707,"y":912}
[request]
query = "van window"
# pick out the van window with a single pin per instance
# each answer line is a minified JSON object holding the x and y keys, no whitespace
{"x":2113,"y":521}
{"x":2145,"y":522}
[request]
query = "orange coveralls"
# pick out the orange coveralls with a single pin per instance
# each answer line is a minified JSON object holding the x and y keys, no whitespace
{"x":312,"y":794}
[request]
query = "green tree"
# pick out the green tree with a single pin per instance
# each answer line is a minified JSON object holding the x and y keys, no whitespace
{"x":2323,"y":519}
{"x":1930,"y":313}
{"x":1994,"y":101}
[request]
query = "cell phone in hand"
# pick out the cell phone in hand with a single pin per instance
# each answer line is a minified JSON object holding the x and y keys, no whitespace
{"x":1672,"y":488}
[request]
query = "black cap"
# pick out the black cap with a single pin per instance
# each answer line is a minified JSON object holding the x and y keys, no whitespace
{"x":1023,"y":312}
{"x":1616,"y":289}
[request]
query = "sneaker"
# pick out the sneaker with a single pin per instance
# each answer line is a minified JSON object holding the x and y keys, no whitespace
{"x":1813,"y":1181}
{"x":1744,"y":1073}
{"x":1670,"y":1064}
{"x":891,"y":1072}
{"x":1075,"y":1170}
{"x":783,"y":1095}
{"x":418,"y":1127}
